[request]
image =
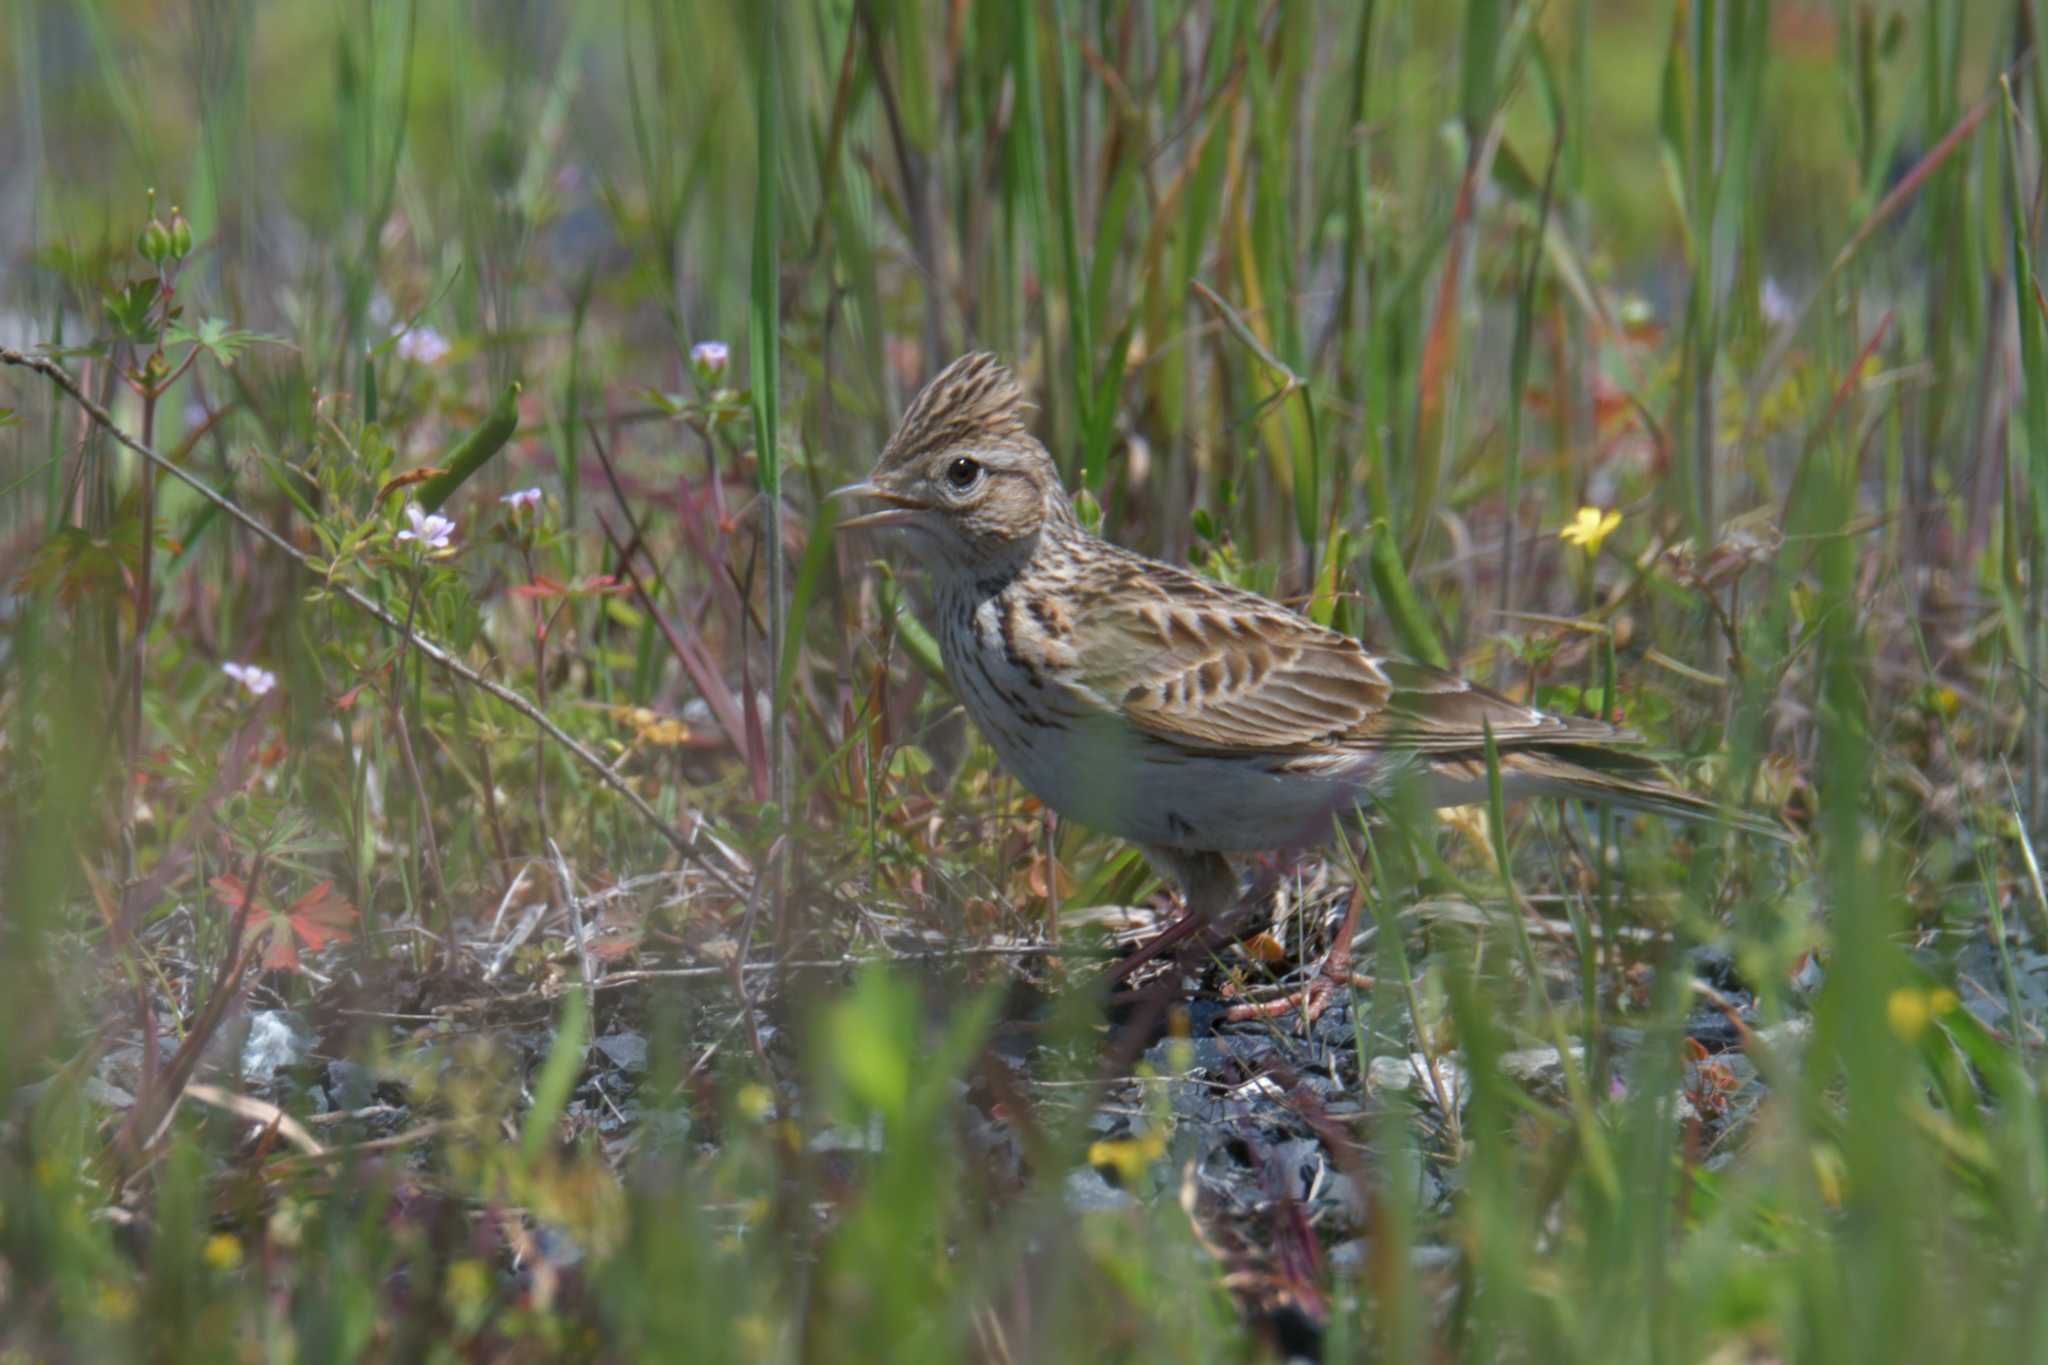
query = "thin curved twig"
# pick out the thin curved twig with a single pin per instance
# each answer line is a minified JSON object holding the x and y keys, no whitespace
{"x":58,"y":375}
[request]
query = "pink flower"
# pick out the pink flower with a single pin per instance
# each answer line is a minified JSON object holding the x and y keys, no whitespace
{"x":709,"y":358}
{"x":422,"y":344}
{"x":525,"y":497}
{"x":256,"y":681}
{"x":430,"y":530}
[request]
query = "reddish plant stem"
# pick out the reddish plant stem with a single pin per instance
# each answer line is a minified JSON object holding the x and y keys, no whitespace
{"x":412,"y":767}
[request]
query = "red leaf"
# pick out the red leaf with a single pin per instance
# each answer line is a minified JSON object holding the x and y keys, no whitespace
{"x":280,"y":954}
{"x":541,"y":586}
{"x":231,"y":890}
{"x":321,"y":917}
{"x":316,"y":919}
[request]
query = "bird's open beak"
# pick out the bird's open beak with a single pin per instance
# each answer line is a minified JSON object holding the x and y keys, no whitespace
{"x":903,"y":510}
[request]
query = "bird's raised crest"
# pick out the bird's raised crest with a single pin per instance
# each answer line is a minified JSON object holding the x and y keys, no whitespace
{"x":974,"y":398}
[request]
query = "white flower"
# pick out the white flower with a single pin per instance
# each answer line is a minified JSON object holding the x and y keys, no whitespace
{"x":525,"y":497}
{"x":422,"y":344}
{"x":1773,"y":302}
{"x":256,"y":681}
{"x":710,"y":358}
{"x":428,"y":529}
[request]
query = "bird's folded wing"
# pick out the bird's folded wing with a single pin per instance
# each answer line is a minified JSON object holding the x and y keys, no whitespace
{"x":1435,"y":711}
{"x":1239,"y":674}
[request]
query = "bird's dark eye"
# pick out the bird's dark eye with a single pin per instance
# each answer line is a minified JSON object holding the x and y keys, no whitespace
{"x":962,"y":473}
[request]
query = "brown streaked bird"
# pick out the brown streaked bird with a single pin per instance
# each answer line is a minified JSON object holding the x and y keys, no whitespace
{"x":1195,"y":719}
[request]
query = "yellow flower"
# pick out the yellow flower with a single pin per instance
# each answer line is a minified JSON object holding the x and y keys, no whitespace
{"x":114,"y":1301}
{"x":1831,"y":1173}
{"x":757,"y":1335}
{"x":223,"y":1251}
{"x":468,"y":1286}
{"x":1127,"y":1157}
{"x":1590,"y":527}
{"x":1907,"y":1010}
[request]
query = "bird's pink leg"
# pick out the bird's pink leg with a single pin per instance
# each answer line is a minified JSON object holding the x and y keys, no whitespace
{"x":1209,"y":886}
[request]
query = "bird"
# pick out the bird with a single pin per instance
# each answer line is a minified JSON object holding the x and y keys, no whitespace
{"x":1195,"y":719}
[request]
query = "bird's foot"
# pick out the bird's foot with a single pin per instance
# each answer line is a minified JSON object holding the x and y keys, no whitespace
{"x":1333,"y":977}
{"x":1311,"y":1000}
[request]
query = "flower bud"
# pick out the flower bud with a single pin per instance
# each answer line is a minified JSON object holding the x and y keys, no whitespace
{"x":1088,"y":510}
{"x":154,"y":241}
{"x":181,"y":234}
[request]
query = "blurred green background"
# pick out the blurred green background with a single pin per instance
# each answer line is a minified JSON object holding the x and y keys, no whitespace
{"x":1360,"y":305}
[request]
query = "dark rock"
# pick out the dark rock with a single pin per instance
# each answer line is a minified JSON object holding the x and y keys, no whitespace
{"x":626,"y":1051}
{"x":349,"y":1086}
{"x":1714,"y":964}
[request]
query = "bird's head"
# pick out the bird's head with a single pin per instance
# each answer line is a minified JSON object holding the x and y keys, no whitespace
{"x":963,"y":474}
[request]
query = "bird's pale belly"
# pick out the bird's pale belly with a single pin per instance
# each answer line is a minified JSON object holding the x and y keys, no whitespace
{"x":1224,"y":805}
{"x":1095,"y":769}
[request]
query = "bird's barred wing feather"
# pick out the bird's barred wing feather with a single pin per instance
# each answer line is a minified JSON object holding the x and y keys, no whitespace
{"x":1434,"y":711}
{"x":1220,"y":670}
{"x":1227,"y":681}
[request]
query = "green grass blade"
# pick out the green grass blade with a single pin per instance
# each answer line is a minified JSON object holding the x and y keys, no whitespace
{"x":764,"y":338}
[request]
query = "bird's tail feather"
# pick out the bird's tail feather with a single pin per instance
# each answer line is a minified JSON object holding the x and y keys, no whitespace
{"x":1586,"y":773}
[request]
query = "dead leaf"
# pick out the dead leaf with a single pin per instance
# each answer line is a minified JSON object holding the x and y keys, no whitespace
{"x":408,"y":479}
{"x":1263,"y":947}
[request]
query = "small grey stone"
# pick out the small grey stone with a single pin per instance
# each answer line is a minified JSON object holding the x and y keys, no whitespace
{"x":1433,"y":1257}
{"x":1300,"y":1160}
{"x":111,"y":1096}
{"x":849,"y":1139}
{"x":1339,"y":1194}
{"x":1208,"y":1054}
{"x":1088,"y":1192}
{"x":1348,"y":1258}
{"x":664,"y":1129}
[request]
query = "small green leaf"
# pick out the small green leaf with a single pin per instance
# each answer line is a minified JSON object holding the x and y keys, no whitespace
{"x":219,"y":340}
{"x":127,"y":310}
